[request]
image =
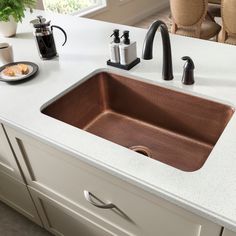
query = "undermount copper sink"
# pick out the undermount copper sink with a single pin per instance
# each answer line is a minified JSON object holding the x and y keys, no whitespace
{"x":169,"y":126}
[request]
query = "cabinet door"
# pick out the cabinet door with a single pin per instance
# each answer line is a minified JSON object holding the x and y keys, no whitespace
{"x":8,"y":163}
{"x":137,"y":212}
{"x":227,"y":232}
{"x":16,"y":195}
{"x":63,"y":221}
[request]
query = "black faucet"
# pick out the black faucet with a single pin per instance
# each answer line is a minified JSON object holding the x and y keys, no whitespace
{"x":167,"y":70}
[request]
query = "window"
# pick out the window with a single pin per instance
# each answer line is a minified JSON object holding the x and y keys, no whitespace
{"x":72,"y":6}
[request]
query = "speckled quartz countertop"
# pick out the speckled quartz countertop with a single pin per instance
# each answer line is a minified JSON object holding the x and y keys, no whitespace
{"x":210,"y":191}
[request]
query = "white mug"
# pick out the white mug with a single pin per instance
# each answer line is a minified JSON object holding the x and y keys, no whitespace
{"x":6,"y":54}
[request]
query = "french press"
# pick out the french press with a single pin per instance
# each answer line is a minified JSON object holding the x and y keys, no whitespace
{"x":44,"y":37}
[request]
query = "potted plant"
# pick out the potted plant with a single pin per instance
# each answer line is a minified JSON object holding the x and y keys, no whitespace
{"x":12,"y":12}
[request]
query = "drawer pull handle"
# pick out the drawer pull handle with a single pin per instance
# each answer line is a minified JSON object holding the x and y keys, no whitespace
{"x":88,"y":196}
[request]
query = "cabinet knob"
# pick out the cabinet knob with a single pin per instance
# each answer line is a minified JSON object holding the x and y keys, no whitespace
{"x":89,"y":197}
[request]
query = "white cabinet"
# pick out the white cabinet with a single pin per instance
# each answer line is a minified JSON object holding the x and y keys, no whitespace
{"x":8,"y":163}
{"x":60,"y":181}
{"x":16,"y":195}
{"x":227,"y":232}
{"x":13,"y":190}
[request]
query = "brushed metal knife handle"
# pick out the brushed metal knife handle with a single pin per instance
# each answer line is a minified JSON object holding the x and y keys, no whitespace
{"x":89,"y":197}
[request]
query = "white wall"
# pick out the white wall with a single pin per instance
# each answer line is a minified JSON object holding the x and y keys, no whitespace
{"x":129,"y":11}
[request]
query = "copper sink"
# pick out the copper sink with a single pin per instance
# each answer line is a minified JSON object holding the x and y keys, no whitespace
{"x":169,"y":126}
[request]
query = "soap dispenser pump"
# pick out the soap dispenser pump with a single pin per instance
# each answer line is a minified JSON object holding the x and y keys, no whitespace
{"x":126,"y":37}
{"x":128,"y":50}
{"x":114,"y":47}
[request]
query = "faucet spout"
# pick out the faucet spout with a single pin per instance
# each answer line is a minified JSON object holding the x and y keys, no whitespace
{"x":167,"y":71}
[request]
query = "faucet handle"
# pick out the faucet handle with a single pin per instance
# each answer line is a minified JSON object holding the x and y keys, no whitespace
{"x":188,"y":74}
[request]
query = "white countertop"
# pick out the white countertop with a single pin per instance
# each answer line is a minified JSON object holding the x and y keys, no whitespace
{"x":210,"y":191}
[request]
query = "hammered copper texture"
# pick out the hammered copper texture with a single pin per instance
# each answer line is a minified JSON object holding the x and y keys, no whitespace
{"x":178,"y":129}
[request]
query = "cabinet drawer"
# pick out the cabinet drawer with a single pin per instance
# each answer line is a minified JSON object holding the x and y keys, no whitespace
{"x":61,"y":220}
{"x":16,"y":195}
{"x":137,"y":212}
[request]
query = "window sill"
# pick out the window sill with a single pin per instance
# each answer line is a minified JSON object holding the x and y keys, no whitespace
{"x":92,"y":11}
{"x":123,"y":2}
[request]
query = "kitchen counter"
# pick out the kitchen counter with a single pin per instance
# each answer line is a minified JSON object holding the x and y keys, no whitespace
{"x":210,"y":191}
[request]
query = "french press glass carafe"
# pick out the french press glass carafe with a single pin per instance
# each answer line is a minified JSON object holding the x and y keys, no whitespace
{"x":45,"y":39}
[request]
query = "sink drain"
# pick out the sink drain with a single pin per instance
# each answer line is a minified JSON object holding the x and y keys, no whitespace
{"x":141,"y":150}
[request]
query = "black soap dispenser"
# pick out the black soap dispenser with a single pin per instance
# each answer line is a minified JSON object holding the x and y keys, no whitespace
{"x":128,"y":50}
{"x":114,"y":47}
{"x":188,"y":74}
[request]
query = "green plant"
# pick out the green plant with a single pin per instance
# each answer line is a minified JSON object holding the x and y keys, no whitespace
{"x":15,"y":8}
{"x":67,"y":6}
